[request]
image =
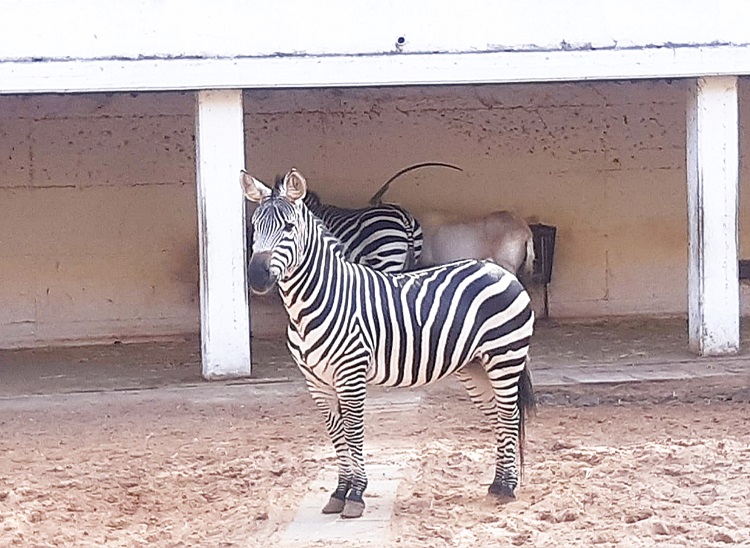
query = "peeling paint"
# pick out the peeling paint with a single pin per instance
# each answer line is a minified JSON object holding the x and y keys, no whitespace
{"x":563,"y":46}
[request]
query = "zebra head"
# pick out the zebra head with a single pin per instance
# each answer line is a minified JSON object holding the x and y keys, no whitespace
{"x":278,"y":228}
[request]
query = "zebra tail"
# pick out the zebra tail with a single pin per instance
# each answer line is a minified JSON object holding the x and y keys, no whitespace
{"x":411,"y":261}
{"x":377,"y":199}
{"x":527,"y":269}
{"x":411,"y":256}
{"x":526,"y":407}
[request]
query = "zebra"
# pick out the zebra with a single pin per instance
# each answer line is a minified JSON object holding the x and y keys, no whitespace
{"x":350,"y":326}
{"x":385,"y":237}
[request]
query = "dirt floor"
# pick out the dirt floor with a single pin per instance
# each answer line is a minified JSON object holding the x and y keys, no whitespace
{"x":223,"y":465}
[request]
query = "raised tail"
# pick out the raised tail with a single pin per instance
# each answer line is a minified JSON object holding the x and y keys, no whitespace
{"x":377,"y":198}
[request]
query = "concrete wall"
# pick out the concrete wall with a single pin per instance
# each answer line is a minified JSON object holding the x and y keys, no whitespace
{"x":603,"y":162}
{"x":97,"y":192}
{"x":97,"y":218}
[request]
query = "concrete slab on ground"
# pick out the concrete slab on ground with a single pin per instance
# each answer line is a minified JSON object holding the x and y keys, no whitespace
{"x":392,"y":400}
{"x":563,"y":353}
{"x":311,"y":526}
{"x":639,"y":372}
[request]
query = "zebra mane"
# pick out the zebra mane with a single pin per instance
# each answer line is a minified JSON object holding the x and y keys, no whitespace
{"x":334,"y":243}
{"x":276,"y":190}
{"x":312,"y":199}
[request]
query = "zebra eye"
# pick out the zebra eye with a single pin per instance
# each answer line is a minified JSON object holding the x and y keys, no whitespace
{"x":289,"y":227}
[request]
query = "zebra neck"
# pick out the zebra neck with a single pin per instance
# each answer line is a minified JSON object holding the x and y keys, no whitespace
{"x":321,"y":263}
{"x":316,"y":209}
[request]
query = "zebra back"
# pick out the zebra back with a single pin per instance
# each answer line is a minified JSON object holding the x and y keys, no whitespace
{"x":385,"y":237}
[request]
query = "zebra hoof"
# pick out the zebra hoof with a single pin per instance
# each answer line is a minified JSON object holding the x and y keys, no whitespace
{"x":334,"y":506}
{"x":502,"y":492}
{"x":353,"y":509}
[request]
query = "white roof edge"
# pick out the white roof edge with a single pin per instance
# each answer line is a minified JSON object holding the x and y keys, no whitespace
{"x":112,"y":75}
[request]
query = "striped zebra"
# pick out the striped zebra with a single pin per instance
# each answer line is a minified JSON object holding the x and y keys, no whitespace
{"x":385,"y":237}
{"x":350,"y":326}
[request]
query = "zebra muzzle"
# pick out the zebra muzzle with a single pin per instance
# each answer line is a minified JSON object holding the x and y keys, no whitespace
{"x":260,"y":276}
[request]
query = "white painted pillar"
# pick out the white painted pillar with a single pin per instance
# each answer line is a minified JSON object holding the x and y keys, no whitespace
{"x":712,"y":175}
{"x":220,"y":154}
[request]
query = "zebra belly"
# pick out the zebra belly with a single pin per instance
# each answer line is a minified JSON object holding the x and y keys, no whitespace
{"x":446,"y":319}
{"x":405,"y":381}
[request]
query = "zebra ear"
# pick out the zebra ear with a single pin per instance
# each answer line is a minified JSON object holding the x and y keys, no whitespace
{"x":294,"y":186}
{"x":254,"y":190}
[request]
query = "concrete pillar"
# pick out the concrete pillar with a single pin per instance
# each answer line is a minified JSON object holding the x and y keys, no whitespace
{"x":220,"y":154}
{"x":712,"y":176}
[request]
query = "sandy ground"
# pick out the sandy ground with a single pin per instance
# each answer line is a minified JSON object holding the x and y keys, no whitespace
{"x":228,"y":466}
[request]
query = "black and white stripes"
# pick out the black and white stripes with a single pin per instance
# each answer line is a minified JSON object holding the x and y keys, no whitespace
{"x":351,"y":326}
{"x":385,"y":237}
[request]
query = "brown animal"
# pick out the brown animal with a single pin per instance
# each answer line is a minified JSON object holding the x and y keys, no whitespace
{"x":501,"y":236}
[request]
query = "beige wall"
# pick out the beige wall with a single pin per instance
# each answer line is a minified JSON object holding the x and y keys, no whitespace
{"x":97,"y":218}
{"x":602,"y":162}
{"x":97,"y":194}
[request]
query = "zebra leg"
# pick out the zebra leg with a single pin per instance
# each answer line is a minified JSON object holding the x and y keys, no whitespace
{"x":352,"y":403}
{"x":499,"y":406}
{"x":504,"y":378}
{"x":328,"y":403}
{"x":474,"y":378}
{"x":477,"y":384}
{"x":506,"y":471}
